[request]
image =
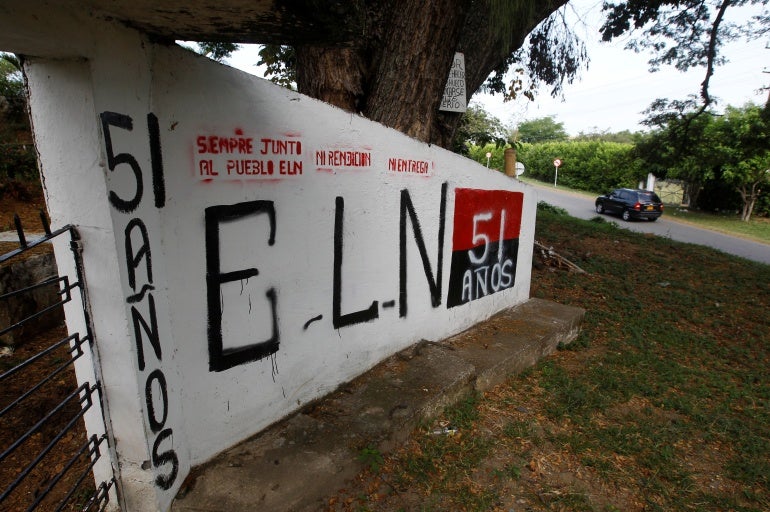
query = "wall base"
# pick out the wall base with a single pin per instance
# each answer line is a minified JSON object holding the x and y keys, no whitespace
{"x":298,"y":462}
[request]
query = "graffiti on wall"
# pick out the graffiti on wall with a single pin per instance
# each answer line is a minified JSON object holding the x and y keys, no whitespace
{"x":337,"y":159}
{"x":246,"y":351}
{"x":407,"y":217}
{"x":238,"y":156}
{"x":141,"y":302}
{"x":410,"y":166}
{"x":221,"y":358}
{"x":485,"y":225}
{"x":485,"y":243}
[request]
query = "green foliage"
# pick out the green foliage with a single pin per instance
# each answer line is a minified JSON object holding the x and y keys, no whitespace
{"x":13,"y":98}
{"x":543,"y":207}
{"x":555,"y":53}
{"x":680,"y":33}
{"x":544,"y":129}
{"x":591,"y":165}
{"x":17,"y":162}
{"x":478,"y":128}
{"x":479,"y":154}
{"x":624,"y":136}
{"x":716,"y":156}
{"x":217,"y":51}
{"x":280,"y":63}
{"x":552,"y":54}
{"x":371,"y":457}
{"x":740,"y":141}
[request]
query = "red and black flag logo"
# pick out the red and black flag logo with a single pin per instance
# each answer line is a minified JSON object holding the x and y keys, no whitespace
{"x":485,"y":243}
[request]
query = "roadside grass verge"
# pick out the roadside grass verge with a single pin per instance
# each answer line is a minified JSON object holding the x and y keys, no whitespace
{"x":661,"y":404}
{"x":757,"y":228}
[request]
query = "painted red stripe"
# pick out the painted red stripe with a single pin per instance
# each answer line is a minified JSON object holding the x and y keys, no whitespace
{"x":484,"y":209}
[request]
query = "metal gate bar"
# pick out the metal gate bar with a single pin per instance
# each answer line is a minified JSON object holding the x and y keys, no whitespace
{"x":92,"y":448}
{"x":39,"y":482}
{"x":75,"y":348}
{"x":65,"y":290}
{"x":83,"y":388}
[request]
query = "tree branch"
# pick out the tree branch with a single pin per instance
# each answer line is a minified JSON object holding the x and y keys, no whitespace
{"x":712,"y":54}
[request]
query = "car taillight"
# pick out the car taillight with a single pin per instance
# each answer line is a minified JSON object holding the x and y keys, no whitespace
{"x":638,"y":206}
{"x":661,"y":206}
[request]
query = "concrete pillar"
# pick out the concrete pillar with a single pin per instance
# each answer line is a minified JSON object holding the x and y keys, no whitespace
{"x":510,"y":162}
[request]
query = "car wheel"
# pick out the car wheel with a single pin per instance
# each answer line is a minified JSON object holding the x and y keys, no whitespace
{"x":599,"y":208}
{"x":626,"y":215}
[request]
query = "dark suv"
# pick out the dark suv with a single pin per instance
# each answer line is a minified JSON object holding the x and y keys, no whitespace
{"x":631,"y":204}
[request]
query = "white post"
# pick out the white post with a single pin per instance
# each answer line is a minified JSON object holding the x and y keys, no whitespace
{"x":556,"y":164}
{"x":650,"y":182}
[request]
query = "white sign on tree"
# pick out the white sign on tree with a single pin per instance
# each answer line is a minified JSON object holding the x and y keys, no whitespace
{"x":454,"y":92}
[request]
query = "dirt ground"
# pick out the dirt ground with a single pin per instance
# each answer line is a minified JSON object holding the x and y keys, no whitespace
{"x":26,"y":200}
{"x":543,"y":480}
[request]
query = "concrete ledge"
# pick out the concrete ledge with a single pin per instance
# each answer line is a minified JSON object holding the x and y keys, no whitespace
{"x":295,"y":464}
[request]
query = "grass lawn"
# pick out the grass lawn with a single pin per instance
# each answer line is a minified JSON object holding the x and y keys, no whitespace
{"x":662,"y":403}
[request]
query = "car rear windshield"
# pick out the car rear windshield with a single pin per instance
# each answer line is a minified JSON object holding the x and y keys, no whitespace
{"x":648,"y":197}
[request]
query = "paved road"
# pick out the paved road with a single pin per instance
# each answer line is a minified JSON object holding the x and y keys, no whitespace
{"x":583,"y":207}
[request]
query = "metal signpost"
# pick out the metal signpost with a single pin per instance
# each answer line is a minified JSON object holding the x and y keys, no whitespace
{"x":556,"y":164}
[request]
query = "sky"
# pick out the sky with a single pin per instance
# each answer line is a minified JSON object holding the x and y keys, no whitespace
{"x":617,"y":86}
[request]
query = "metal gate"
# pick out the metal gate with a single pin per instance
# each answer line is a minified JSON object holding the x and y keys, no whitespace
{"x":48,"y":461}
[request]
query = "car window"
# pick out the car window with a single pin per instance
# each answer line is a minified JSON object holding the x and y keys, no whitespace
{"x":626,"y":195}
{"x":649,"y":197}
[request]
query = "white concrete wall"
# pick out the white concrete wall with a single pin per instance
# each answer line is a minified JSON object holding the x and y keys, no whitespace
{"x":224,"y":301}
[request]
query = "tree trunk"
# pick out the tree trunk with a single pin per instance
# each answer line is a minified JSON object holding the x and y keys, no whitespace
{"x":396,"y":71}
{"x":333,"y":75}
{"x":414,"y":65}
{"x":749,"y":198}
{"x":692,"y":190}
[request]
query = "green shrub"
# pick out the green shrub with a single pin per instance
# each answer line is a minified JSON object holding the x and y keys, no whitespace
{"x":18,"y":162}
{"x":591,"y":165}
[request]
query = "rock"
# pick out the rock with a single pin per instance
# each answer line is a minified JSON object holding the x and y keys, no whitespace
{"x":18,"y":274}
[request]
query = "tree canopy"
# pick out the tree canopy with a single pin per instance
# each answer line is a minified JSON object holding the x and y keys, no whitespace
{"x":741,"y":146}
{"x":683,"y":34}
{"x":12,"y":96}
{"x":732,"y":150}
{"x":410,"y":41}
{"x":17,"y":154}
{"x":544,"y":129}
{"x":478,"y":127}
{"x":217,"y":51}
{"x":395,"y":69}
